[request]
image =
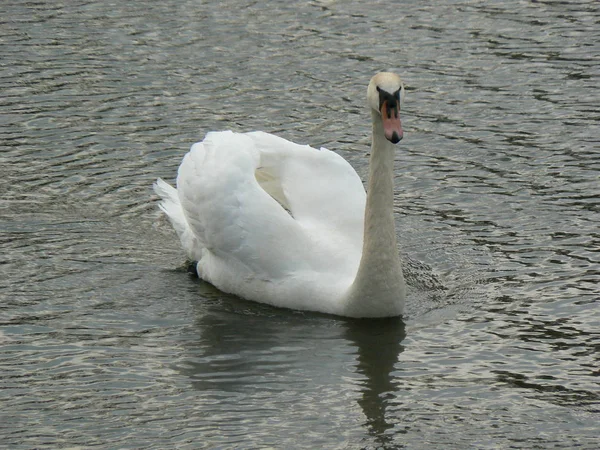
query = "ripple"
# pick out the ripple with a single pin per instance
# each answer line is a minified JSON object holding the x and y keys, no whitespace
{"x":106,"y":342}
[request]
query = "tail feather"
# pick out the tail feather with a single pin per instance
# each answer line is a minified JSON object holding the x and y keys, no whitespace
{"x":171,"y":206}
{"x":170,"y":200}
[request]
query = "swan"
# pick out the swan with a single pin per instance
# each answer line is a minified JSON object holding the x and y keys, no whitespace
{"x":289,"y":225}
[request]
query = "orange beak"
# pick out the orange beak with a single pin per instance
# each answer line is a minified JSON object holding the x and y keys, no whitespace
{"x":392,"y":127}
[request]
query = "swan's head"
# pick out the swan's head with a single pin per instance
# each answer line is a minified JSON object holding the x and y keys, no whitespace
{"x":385,"y":95}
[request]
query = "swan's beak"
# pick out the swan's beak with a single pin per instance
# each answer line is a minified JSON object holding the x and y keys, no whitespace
{"x":392,"y":127}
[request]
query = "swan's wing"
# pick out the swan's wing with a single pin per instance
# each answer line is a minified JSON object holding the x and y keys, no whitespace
{"x":320,"y":188}
{"x":233,"y":191}
{"x":233,"y":217}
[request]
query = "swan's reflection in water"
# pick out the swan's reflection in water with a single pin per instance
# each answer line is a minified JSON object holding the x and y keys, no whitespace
{"x":272,"y":358}
{"x":378,"y":344}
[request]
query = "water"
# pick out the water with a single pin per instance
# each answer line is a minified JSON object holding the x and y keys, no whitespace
{"x":106,"y":342}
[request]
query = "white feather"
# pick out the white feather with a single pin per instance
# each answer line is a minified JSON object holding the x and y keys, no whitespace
{"x":277,"y":222}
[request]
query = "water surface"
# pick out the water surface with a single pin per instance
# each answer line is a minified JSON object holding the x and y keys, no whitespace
{"x":106,"y":342}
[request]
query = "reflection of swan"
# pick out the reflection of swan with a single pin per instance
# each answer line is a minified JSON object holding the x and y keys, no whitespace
{"x":288,"y":225}
{"x":251,"y":355}
{"x":376,"y":367}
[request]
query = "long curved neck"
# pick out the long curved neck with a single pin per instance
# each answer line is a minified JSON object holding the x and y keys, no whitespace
{"x":379,"y":288}
{"x":380,"y":230}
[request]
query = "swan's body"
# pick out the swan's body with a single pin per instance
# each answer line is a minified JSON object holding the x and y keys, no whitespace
{"x":289,"y":225}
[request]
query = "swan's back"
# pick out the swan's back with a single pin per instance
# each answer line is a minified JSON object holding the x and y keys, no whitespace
{"x":268,"y":219}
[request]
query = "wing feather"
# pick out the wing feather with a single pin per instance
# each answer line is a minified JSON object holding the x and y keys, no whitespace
{"x":319,"y":187}
{"x":234,"y":190}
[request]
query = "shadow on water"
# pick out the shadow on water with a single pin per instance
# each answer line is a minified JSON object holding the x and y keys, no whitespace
{"x":239,"y":346}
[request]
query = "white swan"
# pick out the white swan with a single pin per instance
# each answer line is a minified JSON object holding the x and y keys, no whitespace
{"x":291,"y":226}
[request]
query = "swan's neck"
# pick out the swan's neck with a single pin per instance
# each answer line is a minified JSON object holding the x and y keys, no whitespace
{"x":379,"y":288}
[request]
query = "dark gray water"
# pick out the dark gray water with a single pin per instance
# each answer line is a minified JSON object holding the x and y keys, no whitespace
{"x":105,"y":342}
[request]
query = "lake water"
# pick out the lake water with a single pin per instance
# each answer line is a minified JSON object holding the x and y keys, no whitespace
{"x":105,"y":341}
